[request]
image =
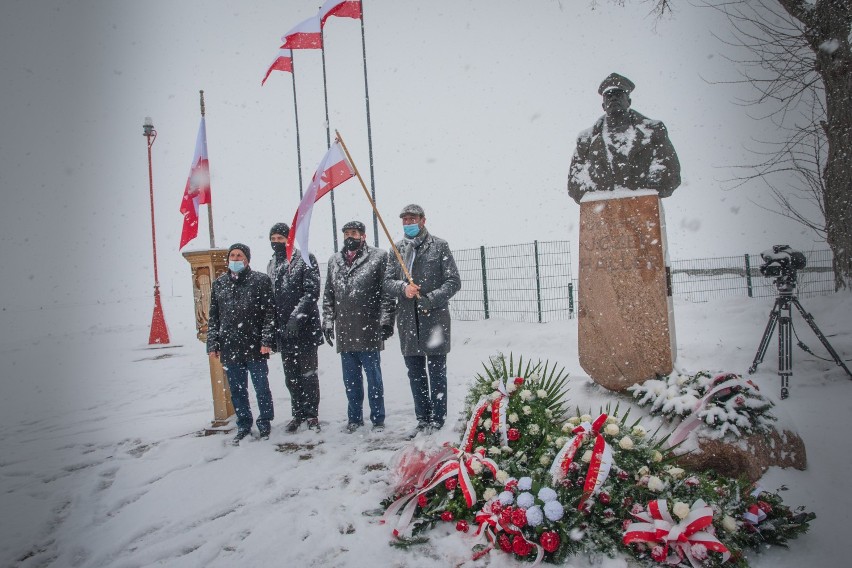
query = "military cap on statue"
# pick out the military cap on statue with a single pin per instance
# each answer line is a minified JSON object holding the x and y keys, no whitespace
{"x":616,"y":81}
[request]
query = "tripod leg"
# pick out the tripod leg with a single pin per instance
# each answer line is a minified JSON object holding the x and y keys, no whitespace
{"x":810,"y":319}
{"x":785,"y":350}
{"x":767,"y":336}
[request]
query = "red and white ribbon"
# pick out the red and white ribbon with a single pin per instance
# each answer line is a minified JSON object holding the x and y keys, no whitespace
{"x":496,"y":404}
{"x":693,"y":420}
{"x":460,"y":466}
{"x":754,"y":515}
{"x":659,"y":528}
{"x":599,"y":465}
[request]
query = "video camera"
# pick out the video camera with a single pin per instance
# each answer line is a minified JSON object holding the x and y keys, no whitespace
{"x":782,"y":261}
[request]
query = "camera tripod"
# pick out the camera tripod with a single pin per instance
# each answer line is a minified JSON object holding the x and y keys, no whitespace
{"x":782,"y":314}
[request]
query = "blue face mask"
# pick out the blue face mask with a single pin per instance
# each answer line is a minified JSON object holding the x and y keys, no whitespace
{"x":411,"y":231}
{"x":236,"y":266}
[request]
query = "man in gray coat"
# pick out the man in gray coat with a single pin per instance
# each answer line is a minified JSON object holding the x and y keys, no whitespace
{"x":423,"y":313}
{"x":355,"y":307}
{"x":623,"y":149}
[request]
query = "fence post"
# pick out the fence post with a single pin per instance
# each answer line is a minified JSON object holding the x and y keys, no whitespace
{"x":570,"y":300}
{"x":537,"y":281}
{"x":748,"y":275}
{"x":484,"y":282}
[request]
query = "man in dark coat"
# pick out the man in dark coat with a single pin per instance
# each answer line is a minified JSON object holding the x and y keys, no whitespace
{"x":423,"y":313}
{"x":623,"y":149}
{"x":296,"y":289}
{"x":362,"y":315}
{"x":240,"y":335}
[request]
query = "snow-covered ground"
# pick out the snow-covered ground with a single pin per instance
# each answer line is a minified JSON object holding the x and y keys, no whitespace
{"x":100,"y":464}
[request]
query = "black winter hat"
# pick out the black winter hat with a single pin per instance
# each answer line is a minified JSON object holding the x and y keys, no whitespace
{"x":242,"y":247}
{"x":280,"y":229}
{"x":357,"y":225}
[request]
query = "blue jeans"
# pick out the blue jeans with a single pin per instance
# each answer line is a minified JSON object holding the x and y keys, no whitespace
{"x":238,"y":382}
{"x":429,"y":391}
{"x":370,"y":361}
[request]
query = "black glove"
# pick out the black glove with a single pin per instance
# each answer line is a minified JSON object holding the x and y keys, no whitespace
{"x":328,"y":333}
{"x":424,"y":304}
{"x":387,"y":332}
{"x":291,"y":330}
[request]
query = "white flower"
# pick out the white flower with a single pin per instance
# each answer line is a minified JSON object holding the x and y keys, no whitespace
{"x":585,"y":418}
{"x":553,"y":510}
{"x":525,"y":483}
{"x":548,"y":413}
{"x":507,"y":451}
{"x":541,"y":393}
{"x":638,"y":431}
{"x":527,"y":410}
{"x":534,"y":429}
{"x":533,"y":378}
{"x":676,"y":472}
{"x":526,"y":500}
{"x":626,"y":443}
{"x":729,"y":524}
{"x":681,"y":509}
{"x":495,"y":385}
{"x":699,"y":552}
{"x":612,"y":429}
{"x":643,"y":471}
{"x":544,"y":460}
{"x":611,"y":420}
{"x":511,"y":387}
{"x":494,"y":451}
{"x":489,"y":494}
{"x":526,"y":395}
{"x":567,"y":427}
{"x":546,"y":494}
{"x":573,"y":421}
{"x":501,"y":476}
{"x":534,"y":516}
{"x":507,"y":498}
{"x":681,"y":380}
{"x":657,"y":456}
{"x":559,"y":442}
{"x":587,"y":457}
{"x":513,"y":418}
{"x":495,"y":395}
{"x":656,"y":484}
{"x":476,"y":466}
{"x":486,"y":424}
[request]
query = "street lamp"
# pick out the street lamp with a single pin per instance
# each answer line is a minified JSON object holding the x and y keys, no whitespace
{"x":159,"y":331}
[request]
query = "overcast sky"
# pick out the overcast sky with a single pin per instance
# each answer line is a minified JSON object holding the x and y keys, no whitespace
{"x":475,"y":110}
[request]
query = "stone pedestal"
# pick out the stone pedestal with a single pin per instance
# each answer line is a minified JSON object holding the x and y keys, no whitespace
{"x":207,"y":265}
{"x":626,"y":319}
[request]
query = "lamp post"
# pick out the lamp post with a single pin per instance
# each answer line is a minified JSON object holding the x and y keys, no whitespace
{"x":159,"y":331}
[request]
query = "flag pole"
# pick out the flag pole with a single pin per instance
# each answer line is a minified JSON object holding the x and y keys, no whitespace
{"x":369,"y":129}
{"x":328,"y":135}
{"x":375,"y":211}
{"x":209,"y":197}
{"x":296,"y":112}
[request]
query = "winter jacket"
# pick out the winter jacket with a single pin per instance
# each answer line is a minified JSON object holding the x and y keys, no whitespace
{"x":434,"y":270}
{"x":649,"y":160}
{"x":296,"y":289}
{"x":241,"y":317}
{"x":354,"y":303}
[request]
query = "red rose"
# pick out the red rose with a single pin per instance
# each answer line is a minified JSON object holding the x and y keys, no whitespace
{"x":628,"y":501}
{"x":512,"y":485}
{"x":496,"y":507}
{"x":505,"y":543}
{"x":422,"y":501}
{"x":520,"y":546}
{"x":447,"y":516}
{"x":462,"y":526}
{"x":740,"y":400}
{"x":625,"y":524}
{"x":506,"y":516}
{"x":513,"y":434}
{"x":480,"y":437}
{"x":549,"y":541}
{"x":519,"y":517}
{"x":451,"y":483}
{"x":764,"y":506}
{"x":604,"y":498}
{"x":519,"y":381}
{"x":658,"y":553}
{"x":567,"y":482}
{"x":623,"y":475}
{"x":580,"y":481}
{"x":608,"y":513}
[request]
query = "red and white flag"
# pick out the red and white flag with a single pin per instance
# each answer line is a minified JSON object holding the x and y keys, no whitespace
{"x":341,"y":9}
{"x":333,"y":170}
{"x":306,"y":35}
{"x":283,"y":62}
{"x":197,"y":190}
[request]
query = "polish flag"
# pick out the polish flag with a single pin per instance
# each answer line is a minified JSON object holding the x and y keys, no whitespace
{"x":197,"y":190}
{"x":333,"y":170}
{"x":283,"y":62}
{"x":341,"y":9}
{"x":306,"y":35}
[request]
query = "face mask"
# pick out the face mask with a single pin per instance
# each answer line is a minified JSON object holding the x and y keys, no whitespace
{"x":278,"y":247}
{"x":411,"y":231}
{"x":351,"y":243}
{"x":236,"y":266}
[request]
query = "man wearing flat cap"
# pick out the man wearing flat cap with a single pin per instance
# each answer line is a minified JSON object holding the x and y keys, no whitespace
{"x":623,"y":149}
{"x":240,"y":329}
{"x":423,"y":314}
{"x":357,"y":317}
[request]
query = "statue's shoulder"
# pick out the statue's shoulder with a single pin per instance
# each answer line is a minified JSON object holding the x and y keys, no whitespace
{"x":640,"y":119}
{"x":586,"y":135}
